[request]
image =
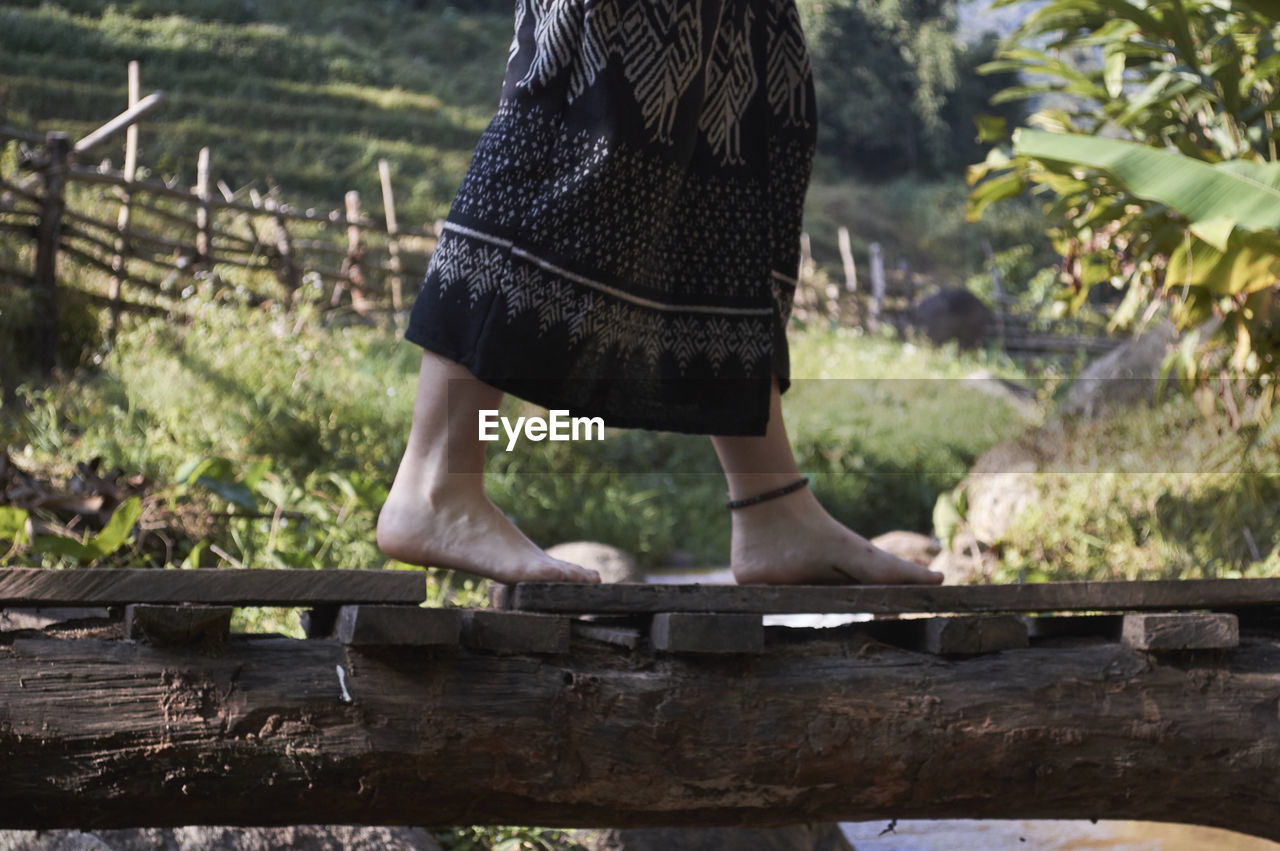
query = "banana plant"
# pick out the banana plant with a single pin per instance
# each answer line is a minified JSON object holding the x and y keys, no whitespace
{"x":1156,"y":150}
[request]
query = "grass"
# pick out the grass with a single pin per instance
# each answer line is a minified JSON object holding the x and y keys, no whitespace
{"x":1147,"y":493}
{"x":304,"y":96}
{"x":293,"y":417}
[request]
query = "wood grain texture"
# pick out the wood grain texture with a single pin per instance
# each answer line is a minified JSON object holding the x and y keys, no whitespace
{"x":98,"y":733}
{"x":181,"y":624}
{"x":692,"y":632}
{"x":1181,"y":631}
{"x":780,"y":599}
{"x":111,"y":586}
{"x":515,"y":632}
{"x":975,"y":634}
{"x":411,"y":626}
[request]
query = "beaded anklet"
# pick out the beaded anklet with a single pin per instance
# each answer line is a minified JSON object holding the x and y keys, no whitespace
{"x":767,"y":495}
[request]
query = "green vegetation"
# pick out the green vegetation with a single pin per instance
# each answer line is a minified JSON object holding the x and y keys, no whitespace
{"x":1183,"y":208}
{"x":897,"y":92}
{"x":306,"y":96}
{"x":1147,"y":493}
{"x":285,"y":435}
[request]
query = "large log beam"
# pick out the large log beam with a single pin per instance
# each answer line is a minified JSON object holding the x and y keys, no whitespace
{"x":98,"y":733}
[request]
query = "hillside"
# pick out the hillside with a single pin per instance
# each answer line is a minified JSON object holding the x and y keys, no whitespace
{"x":307,"y":96}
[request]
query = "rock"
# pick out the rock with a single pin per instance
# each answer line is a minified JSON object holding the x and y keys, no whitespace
{"x":999,"y":486}
{"x":802,"y":837}
{"x":1021,"y":399}
{"x":1127,"y":375}
{"x":952,"y":314}
{"x":966,"y":563}
{"x":911,"y":546}
{"x":611,"y":563}
{"x":301,"y":837}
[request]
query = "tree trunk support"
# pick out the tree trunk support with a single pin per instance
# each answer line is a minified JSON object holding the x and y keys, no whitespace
{"x":831,"y":724}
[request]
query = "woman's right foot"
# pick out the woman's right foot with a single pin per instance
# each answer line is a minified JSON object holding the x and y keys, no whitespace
{"x":792,"y":540}
{"x":469,"y":534}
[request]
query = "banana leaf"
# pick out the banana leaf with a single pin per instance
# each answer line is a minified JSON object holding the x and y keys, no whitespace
{"x":1216,"y":199}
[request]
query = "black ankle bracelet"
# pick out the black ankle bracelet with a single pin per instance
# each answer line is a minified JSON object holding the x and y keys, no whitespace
{"x":767,"y":495}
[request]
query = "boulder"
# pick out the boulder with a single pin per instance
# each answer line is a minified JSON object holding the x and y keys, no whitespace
{"x":968,"y":562}
{"x":1022,"y":399}
{"x":802,"y":837}
{"x":611,"y":563}
{"x":911,"y":546}
{"x":1127,"y":375}
{"x":953,"y":314}
{"x":999,"y":486}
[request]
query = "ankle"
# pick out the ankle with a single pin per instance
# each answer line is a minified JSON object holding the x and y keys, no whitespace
{"x":787,"y":512}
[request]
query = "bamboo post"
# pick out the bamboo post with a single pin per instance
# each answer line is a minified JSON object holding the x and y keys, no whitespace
{"x":877,"y":286}
{"x":393,"y":235}
{"x":53,"y":204}
{"x":286,"y":270}
{"x":203,"y":237}
{"x":850,"y":273}
{"x":846,"y":257}
{"x":120,"y":261}
{"x":997,"y":291}
{"x":352,"y":264}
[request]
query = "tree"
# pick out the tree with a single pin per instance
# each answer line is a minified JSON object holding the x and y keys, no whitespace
{"x":897,"y":91}
{"x":1160,"y":169}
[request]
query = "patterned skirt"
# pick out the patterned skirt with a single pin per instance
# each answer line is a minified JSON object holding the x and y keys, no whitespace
{"x":625,"y":242}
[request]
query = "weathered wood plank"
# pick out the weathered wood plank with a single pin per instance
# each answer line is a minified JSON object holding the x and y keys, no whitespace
{"x":1182,"y":631}
{"x":515,"y":632}
{"x":782,"y":599}
{"x":975,"y":634}
{"x":39,"y":618}
{"x":693,"y":632}
{"x":406,"y":625}
{"x":110,"y":586}
{"x":183,"y":624}
{"x":278,"y":731}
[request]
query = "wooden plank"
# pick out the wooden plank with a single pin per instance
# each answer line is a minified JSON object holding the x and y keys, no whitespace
{"x":182,"y":624}
{"x":1182,"y":631}
{"x":692,"y":632}
{"x":402,"y":625}
{"x":975,"y":634}
{"x":40,"y":618}
{"x":783,"y":599}
{"x":515,"y":632}
{"x":25,"y":586}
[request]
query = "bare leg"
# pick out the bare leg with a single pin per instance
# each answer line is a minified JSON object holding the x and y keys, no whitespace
{"x":792,"y":539}
{"x":438,"y":514}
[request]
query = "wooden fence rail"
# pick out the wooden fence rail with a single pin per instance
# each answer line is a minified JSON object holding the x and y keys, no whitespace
{"x":157,"y":238}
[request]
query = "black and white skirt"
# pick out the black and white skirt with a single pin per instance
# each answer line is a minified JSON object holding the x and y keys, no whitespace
{"x":625,"y":243}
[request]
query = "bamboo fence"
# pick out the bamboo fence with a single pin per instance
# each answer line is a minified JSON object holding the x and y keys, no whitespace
{"x":156,"y":242}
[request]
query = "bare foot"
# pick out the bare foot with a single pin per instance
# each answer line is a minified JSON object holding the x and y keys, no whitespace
{"x":469,"y":534}
{"x":793,"y":540}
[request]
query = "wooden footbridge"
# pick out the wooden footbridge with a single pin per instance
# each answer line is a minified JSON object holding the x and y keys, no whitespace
{"x":127,"y":702}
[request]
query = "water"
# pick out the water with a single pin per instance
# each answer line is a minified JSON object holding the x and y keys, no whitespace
{"x":992,"y":835}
